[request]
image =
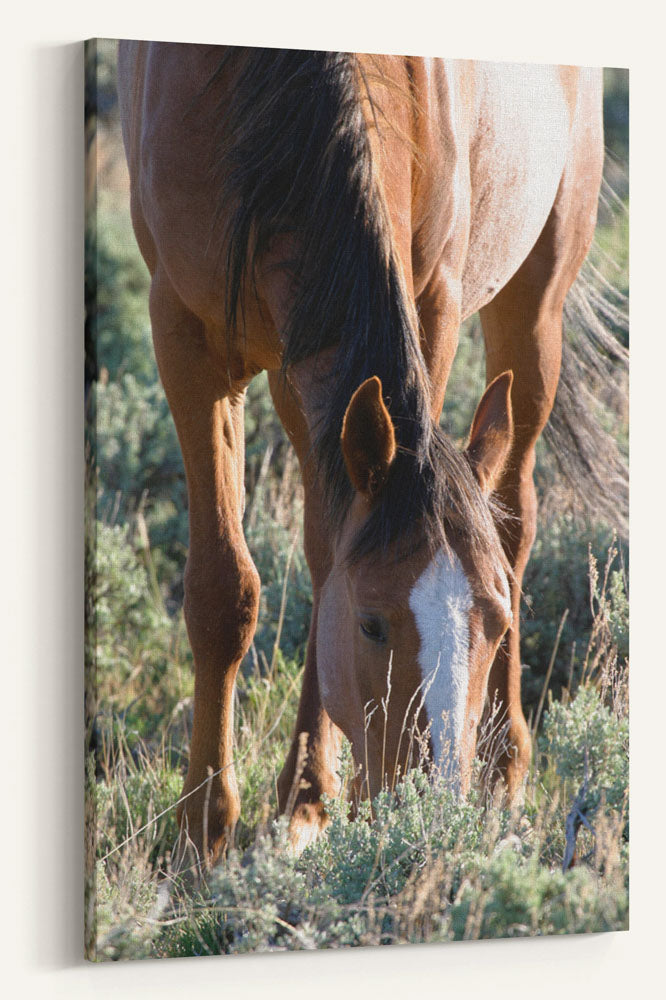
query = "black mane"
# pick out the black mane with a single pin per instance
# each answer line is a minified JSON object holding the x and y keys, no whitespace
{"x":294,"y":157}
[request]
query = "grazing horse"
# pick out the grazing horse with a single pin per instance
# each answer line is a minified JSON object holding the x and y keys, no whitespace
{"x":332,"y":218}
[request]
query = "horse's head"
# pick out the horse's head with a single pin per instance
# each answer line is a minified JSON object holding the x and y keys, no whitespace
{"x":405,"y":642}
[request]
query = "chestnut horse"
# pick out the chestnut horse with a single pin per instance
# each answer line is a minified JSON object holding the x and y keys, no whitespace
{"x":333,"y":218}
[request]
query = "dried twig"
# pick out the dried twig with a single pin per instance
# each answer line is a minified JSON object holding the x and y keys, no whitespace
{"x":577,"y":817}
{"x":546,"y":682}
{"x":205,"y":818}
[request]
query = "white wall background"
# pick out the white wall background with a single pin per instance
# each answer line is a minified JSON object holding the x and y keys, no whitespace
{"x":41,"y":494}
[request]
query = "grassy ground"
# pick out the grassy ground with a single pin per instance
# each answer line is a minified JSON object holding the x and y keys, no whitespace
{"x":426,"y":867}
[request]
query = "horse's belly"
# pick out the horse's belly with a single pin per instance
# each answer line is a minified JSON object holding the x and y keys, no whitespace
{"x":517,"y":158}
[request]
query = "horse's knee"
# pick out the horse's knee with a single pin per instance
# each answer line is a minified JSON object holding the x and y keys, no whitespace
{"x":221,"y":605}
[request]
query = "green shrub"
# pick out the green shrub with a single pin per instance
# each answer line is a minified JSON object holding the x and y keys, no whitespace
{"x":121,"y":321}
{"x":141,"y":469}
{"x":513,"y":896}
{"x":142,"y":796}
{"x":557,"y":581}
{"x":426,"y":867}
{"x":126,"y":615}
{"x":142,"y":660}
{"x":125,"y":899}
{"x":276,"y":546}
{"x":421,"y":820}
{"x":589,"y":744}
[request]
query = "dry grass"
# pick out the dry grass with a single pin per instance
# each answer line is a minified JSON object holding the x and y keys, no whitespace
{"x":418,"y":864}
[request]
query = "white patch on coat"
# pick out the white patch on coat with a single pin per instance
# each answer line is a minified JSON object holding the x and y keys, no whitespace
{"x":504,"y":595}
{"x":440,"y":602}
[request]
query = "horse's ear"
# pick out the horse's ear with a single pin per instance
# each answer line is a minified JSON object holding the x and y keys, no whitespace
{"x":368,"y":439}
{"x":492,"y":432}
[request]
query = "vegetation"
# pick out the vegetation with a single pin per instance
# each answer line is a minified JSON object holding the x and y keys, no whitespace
{"x":423,"y":866}
{"x":426,"y":866}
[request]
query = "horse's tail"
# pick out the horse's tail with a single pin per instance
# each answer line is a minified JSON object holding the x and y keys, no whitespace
{"x":589,"y":418}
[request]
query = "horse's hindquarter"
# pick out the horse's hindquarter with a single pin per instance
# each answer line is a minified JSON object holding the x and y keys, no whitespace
{"x":510,"y":127}
{"x":517,"y":157}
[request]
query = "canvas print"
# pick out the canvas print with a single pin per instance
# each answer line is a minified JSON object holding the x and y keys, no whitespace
{"x":356,"y":536}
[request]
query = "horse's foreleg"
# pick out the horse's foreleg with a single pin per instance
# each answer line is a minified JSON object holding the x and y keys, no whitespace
{"x":310,"y":770}
{"x":221,"y":582}
{"x":439,"y":314}
{"x":305,"y":777}
{"x":527,"y":341}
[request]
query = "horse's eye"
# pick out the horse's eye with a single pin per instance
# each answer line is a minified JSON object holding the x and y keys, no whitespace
{"x":373,"y":628}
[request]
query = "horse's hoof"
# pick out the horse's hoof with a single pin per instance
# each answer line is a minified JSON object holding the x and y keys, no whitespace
{"x":191,"y":863}
{"x":308,"y":821}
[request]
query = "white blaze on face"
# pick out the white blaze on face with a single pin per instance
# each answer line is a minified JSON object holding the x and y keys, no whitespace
{"x":440,"y":602}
